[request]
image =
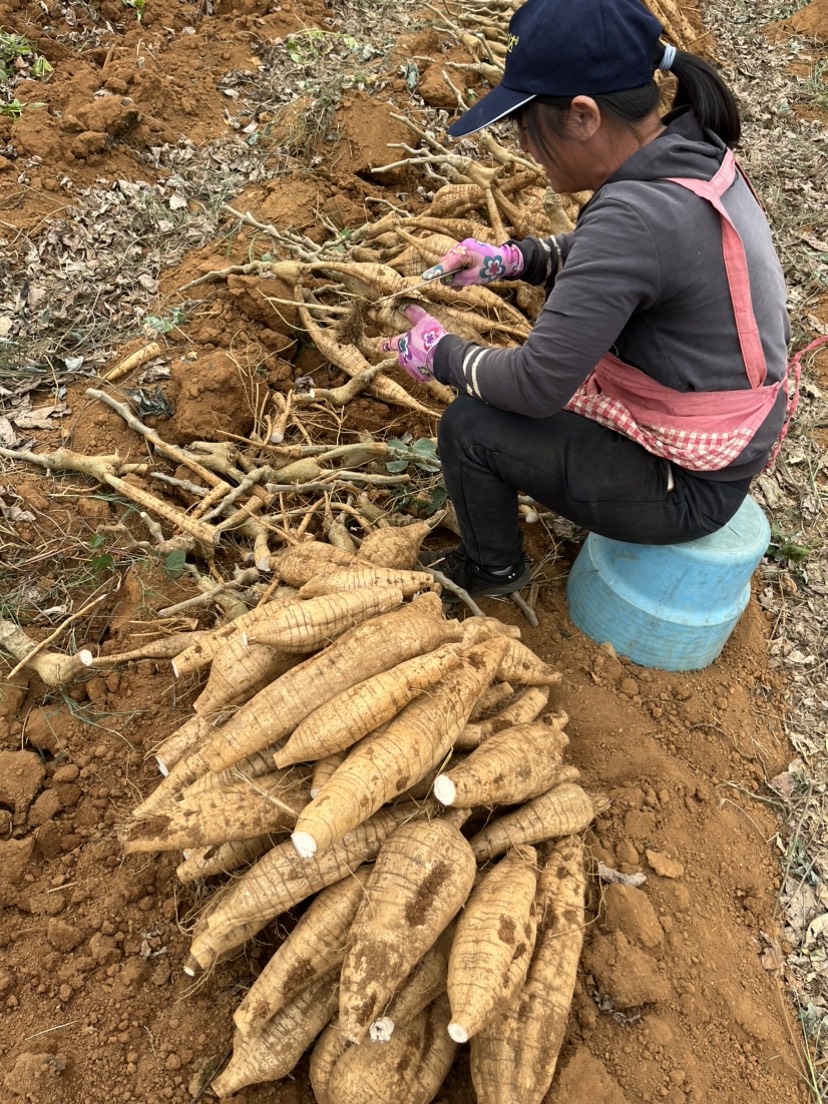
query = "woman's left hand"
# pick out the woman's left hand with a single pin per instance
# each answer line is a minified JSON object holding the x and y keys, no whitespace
{"x":415,"y":349}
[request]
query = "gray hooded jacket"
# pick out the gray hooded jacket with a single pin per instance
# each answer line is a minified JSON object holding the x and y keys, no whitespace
{"x":644,"y":278}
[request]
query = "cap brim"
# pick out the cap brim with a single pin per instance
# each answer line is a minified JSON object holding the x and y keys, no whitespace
{"x":495,"y":105}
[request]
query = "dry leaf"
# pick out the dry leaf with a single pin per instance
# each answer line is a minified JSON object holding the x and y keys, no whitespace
{"x":615,"y":877}
{"x":784,"y":785}
{"x":772,"y":958}
{"x":40,"y":417}
{"x":8,"y":438}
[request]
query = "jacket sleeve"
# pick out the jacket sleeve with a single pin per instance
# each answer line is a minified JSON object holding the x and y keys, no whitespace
{"x":542,"y":258}
{"x":611,"y":271}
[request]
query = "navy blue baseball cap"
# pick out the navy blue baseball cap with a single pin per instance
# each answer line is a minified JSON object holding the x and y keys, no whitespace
{"x":568,"y":48}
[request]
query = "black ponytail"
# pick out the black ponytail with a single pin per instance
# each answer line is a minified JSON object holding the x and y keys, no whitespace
{"x":701,"y":88}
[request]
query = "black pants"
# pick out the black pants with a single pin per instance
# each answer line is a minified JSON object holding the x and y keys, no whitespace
{"x":589,"y":474}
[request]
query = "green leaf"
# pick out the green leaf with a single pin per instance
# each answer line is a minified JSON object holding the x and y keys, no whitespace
{"x":13,"y":110}
{"x":439,"y":497}
{"x":396,"y":443}
{"x":396,"y":465}
{"x":424,"y":446}
{"x":102,"y":563}
{"x":160,"y":325}
{"x":174,"y":563}
{"x":795,"y":552}
{"x":14,"y":46}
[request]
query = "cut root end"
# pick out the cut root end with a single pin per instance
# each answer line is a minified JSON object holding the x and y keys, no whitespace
{"x":304,"y":843}
{"x":445,"y":790}
{"x":381,"y":1030}
{"x":458,"y":1033}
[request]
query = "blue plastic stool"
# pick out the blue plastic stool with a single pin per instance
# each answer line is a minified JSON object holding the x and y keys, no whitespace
{"x":668,"y":606}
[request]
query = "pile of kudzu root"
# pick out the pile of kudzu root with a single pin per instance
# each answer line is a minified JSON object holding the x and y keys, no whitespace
{"x":353,"y":745}
{"x":348,"y":293}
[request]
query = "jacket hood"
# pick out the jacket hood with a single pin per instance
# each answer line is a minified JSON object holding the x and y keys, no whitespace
{"x":683,"y":149}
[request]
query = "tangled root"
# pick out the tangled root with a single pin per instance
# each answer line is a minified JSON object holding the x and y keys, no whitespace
{"x":352,"y":326}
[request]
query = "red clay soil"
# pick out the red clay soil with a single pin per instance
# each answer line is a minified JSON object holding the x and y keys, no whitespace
{"x":680,"y":996}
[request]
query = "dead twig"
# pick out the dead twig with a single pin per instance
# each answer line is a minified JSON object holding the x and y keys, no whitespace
{"x":103,"y":469}
{"x":243,"y":579}
{"x":181,"y":456}
{"x":454,"y":589}
{"x":232,"y":496}
{"x":525,"y":608}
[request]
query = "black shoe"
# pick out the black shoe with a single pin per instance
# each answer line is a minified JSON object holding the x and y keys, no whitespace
{"x":476,"y":580}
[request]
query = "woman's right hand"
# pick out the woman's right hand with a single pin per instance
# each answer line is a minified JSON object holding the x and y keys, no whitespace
{"x":474,"y":262}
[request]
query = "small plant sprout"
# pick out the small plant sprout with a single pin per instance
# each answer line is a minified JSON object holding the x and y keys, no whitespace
{"x":784,"y":548}
{"x":14,"y":109}
{"x":137,"y":6}
{"x":311,"y":44}
{"x":418,"y":457}
{"x":14,"y":46}
{"x":161,"y":324}
{"x":100,"y":560}
{"x":305,"y":46}
{"x":421,"y":454}
{"x":18,"y":54}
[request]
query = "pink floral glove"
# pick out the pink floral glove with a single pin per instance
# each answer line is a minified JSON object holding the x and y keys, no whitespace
{"x":415,"y":349}
{"x":473,"y":262}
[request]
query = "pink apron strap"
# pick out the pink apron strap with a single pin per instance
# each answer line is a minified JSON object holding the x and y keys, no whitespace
{"x":735,"y":265}
{"x":794,"y":369}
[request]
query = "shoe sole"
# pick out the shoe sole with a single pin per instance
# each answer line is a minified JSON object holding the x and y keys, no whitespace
{"x":493,"y":591}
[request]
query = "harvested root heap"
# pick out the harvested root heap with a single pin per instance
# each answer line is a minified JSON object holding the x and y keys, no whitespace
{"x":348,"y":292}
{"x":438,"y":918}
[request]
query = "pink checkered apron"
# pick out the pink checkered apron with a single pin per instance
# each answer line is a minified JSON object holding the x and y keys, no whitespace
{"x":697,"y":430}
